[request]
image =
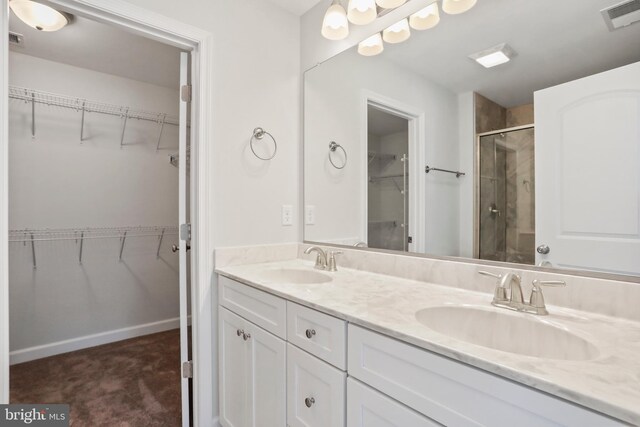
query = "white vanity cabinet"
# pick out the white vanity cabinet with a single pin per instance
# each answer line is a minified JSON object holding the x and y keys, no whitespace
{"x":252,"y":357}
{"x":453,"y":393}
{"x":286,"y":365}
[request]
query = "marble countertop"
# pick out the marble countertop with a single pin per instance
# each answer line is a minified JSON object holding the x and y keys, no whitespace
{"x":608,"y":383}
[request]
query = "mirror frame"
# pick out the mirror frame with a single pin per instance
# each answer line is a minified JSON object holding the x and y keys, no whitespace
{"x":499,"y":264}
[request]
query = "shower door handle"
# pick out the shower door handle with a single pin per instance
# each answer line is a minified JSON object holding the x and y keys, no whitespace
{"x":493,"y":209}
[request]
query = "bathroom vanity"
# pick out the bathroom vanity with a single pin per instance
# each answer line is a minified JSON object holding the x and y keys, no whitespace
{"x":303,"y":347}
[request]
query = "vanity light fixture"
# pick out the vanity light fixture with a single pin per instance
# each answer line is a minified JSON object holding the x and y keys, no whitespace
{"x":362,"y":12}
{"x":371,"y":46}
{"x":494,"y":56}
{"x":398,"y":32}
{"x":390,"y":4}
{"x":335,"y":25}
{"x":454,"y":7}
{"x":426,"y":18}
{"x":39,"y":16}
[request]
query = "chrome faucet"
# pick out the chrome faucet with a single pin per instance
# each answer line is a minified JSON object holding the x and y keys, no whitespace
{"x":513,"y":300}
{"x":321,"y":259}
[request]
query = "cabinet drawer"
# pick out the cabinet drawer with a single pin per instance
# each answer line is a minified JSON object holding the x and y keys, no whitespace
{"x":265,"y":310}
{"x":315,"y":391}
{"x":454,"y":393}
{"x":322,"y":335}
{"x":369,"y":408}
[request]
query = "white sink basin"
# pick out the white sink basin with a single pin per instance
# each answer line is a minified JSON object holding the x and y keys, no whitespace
{"x":508,"y":331}
{"x":295,"y":275}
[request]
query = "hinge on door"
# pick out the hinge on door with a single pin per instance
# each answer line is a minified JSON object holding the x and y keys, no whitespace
{"x":185,"y":93}
{"x":185,"y":232}
{"x":187,"y":369}
{"x":409,"y":239}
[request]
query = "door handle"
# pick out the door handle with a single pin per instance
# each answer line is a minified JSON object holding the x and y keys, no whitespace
{"x":493,"y":209}
{"x":543,"y":249}
{"x":175,"y":248}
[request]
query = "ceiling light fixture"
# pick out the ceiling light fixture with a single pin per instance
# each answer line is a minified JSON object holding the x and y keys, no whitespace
{"x":494,"y":56}
{"x":362,"y":12}
{"x":454,"y":7}
{"x":397,"y":33}
{"x":39,"y":16}
{"x":371,"y":46}
{"x":335,"y":25}
{"x":425,"y":18}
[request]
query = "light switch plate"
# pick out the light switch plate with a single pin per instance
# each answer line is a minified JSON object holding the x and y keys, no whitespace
{"x":287,"y":215}
{"x":310,"y":215}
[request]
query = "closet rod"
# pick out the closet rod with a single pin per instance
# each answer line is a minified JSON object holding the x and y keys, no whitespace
{"x":84,"y":105}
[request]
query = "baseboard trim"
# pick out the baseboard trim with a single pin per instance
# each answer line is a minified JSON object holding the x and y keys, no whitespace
{"x":46,"y":350}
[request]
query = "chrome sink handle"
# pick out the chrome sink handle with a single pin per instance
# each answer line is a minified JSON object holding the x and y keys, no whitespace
{"x":331,"y":262}
{"x":500,"y":293}
{"x":321,"y":259}
{"x":536,"y":300}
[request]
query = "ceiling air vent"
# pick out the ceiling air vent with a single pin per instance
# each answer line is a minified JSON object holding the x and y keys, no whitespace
{"x":15,"y":39}
{"x":622,"y":14}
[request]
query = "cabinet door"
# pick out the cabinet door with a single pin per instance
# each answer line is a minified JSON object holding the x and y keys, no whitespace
{"x":234,"y":397}
{"x":369,"y":408}
{"x":267,"y":378}
{"x":315,"y":391}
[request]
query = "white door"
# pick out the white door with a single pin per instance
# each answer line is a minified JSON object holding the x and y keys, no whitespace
{"x":234,"y":375}
{"x":184,"y":239}
{"x":267,"y":367}
{"x":587,"y":166}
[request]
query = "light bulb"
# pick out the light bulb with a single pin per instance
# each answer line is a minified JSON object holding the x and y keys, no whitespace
{"x":397,"y":33}
{"x":39,"y":16}
{"x":362,"y":12}
{"x":453,"y":7}
{"x":390,"y":4}
{"x":371,"y":46}
{"x":335,"y":25}
{"x":425,"y":18}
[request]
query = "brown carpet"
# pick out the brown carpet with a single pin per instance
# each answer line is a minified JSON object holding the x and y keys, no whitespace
{"x":129,"y":383}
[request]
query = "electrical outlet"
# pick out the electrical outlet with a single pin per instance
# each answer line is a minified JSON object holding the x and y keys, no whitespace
{"x":310,"y":215}
{"x":287,"y":215}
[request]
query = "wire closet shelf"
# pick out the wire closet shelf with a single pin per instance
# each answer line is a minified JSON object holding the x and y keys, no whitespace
{"x":44,"y":235}
{"x":88,"y":106}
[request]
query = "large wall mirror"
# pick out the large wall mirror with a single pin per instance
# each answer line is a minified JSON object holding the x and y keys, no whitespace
{"x":534,"y":161}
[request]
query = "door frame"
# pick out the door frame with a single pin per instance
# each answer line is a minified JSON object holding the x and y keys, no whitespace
{"x":417,"y":140}
{"x":150,"y":24}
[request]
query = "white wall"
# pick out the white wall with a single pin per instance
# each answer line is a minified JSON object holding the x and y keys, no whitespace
{"x":334,"y":101}
{"x":467,"y":140}
{"x":58,"y":182}
{"x":256,"y":82}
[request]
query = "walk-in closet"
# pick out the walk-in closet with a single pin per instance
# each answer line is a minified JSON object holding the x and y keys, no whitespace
{"x":94,"y":269}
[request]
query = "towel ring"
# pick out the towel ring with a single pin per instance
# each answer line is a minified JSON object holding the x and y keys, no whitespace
{"x":259,"y":133}
{"x":333,"y":146}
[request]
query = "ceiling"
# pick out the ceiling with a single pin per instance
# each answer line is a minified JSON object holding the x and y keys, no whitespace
{"x":99,"y":47}
{"x":297,"y":7}
{"x":382,"y":123}
{"x":556,"y":42}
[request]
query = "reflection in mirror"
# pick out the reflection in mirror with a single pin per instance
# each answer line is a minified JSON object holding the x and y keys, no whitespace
{"x":532,"y":160}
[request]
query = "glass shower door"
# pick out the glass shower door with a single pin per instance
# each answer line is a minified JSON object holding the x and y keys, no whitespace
{"x":506,"y":203}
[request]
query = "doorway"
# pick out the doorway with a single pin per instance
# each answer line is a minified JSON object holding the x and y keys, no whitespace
{"x":388,"y":180}
{"x":97,"y":304}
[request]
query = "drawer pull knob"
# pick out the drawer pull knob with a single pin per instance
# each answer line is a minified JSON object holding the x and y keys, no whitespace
{"x":240,"y":332}
{"x":309,"y":401}
{"x":310,"y":333}
{"x":246,"y":336}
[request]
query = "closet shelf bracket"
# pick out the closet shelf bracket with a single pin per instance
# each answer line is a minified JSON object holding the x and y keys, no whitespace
{"x":84,"y":103}
{"x":124,"y":126}
{"x":159,"y":244}
{"x":33,"y":251}
{"x":164,"y":117}
{"x":81,"y":245}
{"x":124,"y":238}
